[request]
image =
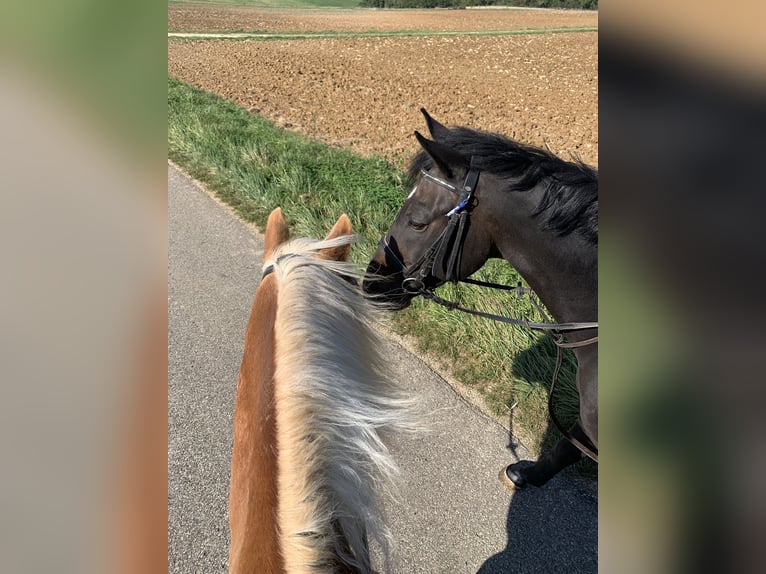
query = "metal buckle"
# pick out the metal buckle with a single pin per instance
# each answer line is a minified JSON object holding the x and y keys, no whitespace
{"x":413,"y":285}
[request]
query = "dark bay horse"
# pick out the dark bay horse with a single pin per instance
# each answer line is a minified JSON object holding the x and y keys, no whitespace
{"x":505,"y":200}
{"x":312,"y":401}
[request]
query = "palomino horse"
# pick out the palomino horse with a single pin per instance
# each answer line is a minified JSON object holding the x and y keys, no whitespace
{"x":525,"y":205}
{"x":312,"y":402}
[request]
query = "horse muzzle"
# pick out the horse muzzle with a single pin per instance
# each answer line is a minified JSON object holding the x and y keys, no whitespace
{"x":386,"y":289}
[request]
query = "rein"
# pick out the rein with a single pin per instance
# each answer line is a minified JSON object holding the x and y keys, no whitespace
{"x":453,"y":235}
{"x":552,"y":329}
{"x":453,"y":305}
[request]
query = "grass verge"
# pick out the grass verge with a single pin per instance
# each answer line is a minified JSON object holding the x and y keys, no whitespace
{"x":323,"y":35}
{"x":255,"y":166}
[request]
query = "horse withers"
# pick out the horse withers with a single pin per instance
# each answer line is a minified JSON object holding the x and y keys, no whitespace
{"x":312,"y":403}
{"x":503,"y":199}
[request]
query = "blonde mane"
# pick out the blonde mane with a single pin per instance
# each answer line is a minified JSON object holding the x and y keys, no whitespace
{"x":333,"y":402}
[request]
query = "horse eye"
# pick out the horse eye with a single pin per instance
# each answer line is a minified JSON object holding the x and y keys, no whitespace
{"x":417,"y":226}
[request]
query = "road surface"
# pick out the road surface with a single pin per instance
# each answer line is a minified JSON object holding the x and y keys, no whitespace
{"x":452,"y":516}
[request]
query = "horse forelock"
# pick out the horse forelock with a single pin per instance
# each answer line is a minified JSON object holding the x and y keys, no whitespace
{"x":304,"y":251}
{"x":334,"y":400}
{"x":569,"y":201}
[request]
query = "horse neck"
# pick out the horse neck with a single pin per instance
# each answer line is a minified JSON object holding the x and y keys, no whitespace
{"x":563,"y":271}
{"x":254,"y":472}
{"x":331,"y":402}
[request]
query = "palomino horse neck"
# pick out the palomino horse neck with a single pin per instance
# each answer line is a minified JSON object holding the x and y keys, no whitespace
{"x":253,"y":491}
{"x":312,"y":402}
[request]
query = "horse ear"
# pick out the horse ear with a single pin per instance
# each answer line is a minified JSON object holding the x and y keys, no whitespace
{"x":437,"y":130}
{"x":276,"y":232}
{"x":446,"y":159}
{"x":341,"y":227}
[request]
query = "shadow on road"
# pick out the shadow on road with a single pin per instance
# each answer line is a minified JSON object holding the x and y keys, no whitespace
{"x":548,"y":532}
{"x":553,"y":528}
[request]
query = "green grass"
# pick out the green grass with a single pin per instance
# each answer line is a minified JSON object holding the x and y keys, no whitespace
{"x":255,"y":166}
{"x":265,"y":35}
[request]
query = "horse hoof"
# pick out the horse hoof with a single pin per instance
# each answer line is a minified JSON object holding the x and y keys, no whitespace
{"x":511,"y":478}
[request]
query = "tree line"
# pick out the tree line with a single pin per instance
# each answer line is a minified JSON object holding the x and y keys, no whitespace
{"x":571,"y":4}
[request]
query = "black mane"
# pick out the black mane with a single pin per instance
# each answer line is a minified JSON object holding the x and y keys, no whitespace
{"x":570,"y":201}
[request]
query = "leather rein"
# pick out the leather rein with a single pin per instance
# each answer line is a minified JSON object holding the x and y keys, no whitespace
{"x":446,"y":251}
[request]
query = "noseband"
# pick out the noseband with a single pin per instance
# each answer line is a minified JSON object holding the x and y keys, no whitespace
{"x":447,"y":250}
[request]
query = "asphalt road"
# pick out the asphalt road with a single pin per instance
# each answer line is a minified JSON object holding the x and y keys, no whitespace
{"x":452,"y":515}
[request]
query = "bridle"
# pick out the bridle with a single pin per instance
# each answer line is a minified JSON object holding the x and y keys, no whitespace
{"x":446,"y":252}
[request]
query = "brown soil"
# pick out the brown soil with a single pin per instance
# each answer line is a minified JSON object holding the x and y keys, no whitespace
{"x":195,"y":18}
{"x":365,"y":93}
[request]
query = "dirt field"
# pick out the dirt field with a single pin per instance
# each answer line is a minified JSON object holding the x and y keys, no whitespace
{"x":208,"y":18}
{"x":365,"y":93}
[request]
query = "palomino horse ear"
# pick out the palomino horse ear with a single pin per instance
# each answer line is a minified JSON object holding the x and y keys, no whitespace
{"x":276,"y":232}
{"x":341,"y":227}
{"x":437,"y":130}
{"x":447,"y":159}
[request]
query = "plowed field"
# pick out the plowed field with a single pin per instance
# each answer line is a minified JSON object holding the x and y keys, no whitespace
{"x":365,"y":93}
{"x":207,"y":18}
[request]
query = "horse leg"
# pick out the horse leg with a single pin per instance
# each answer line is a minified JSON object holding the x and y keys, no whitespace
{"x":585,"y":430}
{"x":519,"y":474}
